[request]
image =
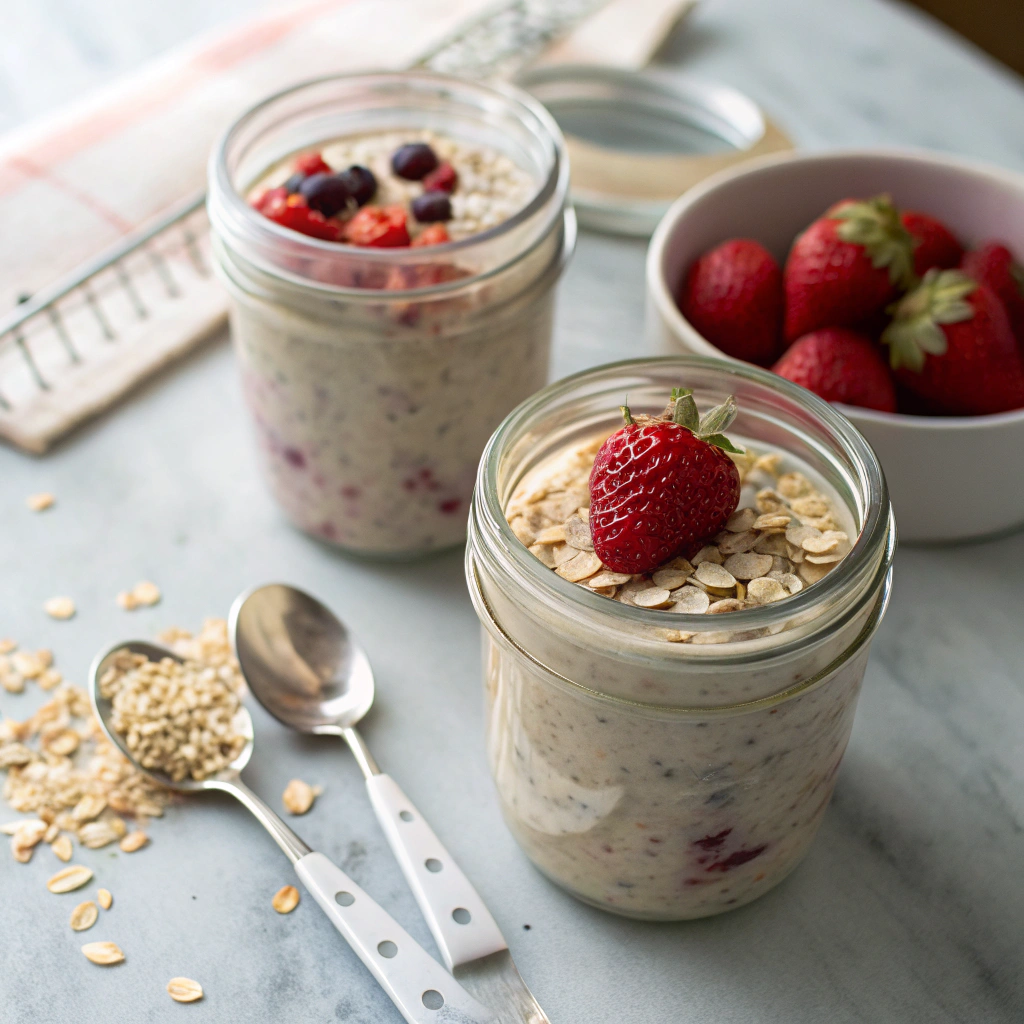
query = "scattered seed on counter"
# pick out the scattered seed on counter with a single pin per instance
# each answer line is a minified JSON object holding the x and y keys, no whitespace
{"x":70,"y":878}
{"x":103,"y":953}
{"x":298,"y":796}
{"x":286,"y":899}
{"x":84,"y":916}
{"x":184,"y":990}
{"x":59,"y":607}
{"x":104,"y":899}
{"x":40,"y":502}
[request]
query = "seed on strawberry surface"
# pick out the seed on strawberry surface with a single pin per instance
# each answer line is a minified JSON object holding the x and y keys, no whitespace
{"x":360,"y":182}
{"x":414,"y":161}
{"x":431,"y":207}
{"x":327,"y":193}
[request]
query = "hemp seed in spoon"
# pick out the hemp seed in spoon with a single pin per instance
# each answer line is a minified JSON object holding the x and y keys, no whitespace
{"x":175,"y":717}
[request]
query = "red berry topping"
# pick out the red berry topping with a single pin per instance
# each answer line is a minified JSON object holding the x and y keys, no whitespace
{"x":992,"y":264}
{"x":934,"y":244}
{"x":733,"y":296}
{"x":271,"y":199}
{"x":847,"y":266}
{"x":442,"y":178}
{"x":436,"y":234}
{"x":840,"y":365}
{"x":295,"y":214}
{"x":661,"y":487}
{"x":312,"y":163}
{"x":382,"y":227}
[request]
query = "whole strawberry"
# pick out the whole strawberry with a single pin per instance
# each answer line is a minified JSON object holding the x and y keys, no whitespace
{"x":992,"y":264}
{"x":846,"y":267}
{"x":733,"y":296}
{"x":950,"y":344}
{"x":661,"y":487}
{"x":840,"y":365}
{"x":934,"y":244}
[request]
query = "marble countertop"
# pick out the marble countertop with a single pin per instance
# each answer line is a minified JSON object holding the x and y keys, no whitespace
{"x":909,"y":908}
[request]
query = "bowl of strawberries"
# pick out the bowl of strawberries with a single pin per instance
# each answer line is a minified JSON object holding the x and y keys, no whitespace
{"x":888,"y":282}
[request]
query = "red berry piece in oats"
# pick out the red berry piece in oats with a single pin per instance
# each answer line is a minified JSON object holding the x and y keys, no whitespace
{"x":661,"y":487}
{"x":312,"y":163}
{"x":378,"y":226}
{"x":444,"y":178}
{"x":436,"y":234}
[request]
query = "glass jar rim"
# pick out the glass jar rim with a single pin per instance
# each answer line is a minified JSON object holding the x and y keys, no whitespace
{"x":877,"y":525}
{"x":230,"y":208}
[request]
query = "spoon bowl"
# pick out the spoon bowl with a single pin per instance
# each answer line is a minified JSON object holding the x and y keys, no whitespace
{"x":103,"y":709}
{"x":299,"y":660}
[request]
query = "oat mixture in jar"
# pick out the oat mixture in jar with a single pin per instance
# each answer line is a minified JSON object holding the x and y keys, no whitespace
{"x":655,"y":757}
{"x":391,"y":244}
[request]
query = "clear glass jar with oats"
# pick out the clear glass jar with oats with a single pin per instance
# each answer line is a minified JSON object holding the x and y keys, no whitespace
{"x":391,"y":244}
{"x":665,"y":744}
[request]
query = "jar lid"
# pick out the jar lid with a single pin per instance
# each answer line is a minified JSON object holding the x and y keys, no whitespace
{"x":637,"y":140}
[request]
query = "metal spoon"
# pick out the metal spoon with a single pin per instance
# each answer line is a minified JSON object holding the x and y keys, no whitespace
{"x":416,"y":983}
{"x":302,"y":665}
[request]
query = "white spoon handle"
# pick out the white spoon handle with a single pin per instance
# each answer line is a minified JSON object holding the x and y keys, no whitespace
{"x":461,"y":924}
{"x":422,"y":990}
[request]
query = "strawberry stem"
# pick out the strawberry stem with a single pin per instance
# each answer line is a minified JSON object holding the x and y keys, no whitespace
{"x":627,"y":416}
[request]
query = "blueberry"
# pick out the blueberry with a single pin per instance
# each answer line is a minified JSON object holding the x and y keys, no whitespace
{"x":432,"y":206}
{"x":414,"y":161}
{"x":360,"y":182}
{"x":325,"y":192}
{"x":293,"y":183}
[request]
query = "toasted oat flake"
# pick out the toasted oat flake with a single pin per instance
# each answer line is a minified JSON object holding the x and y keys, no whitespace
{"x":728,"y":604}
{"x":59,"y":607}
{"x":84,"y":916}
{"x":96,"y":834}
{"x":286,"y":899}
{"x":7,"y":645}
{"x":298,"y":797}
{"x":772,"y":521}
{"x":62,"y":848}
{"x":184,"y":990}
{"x":670,"y":579}
{"x":62,"y":743}
{"x":737,"y":543}
{"x":608,"y":579}
{"x":790,"y":581}
{"x":713,"y":575}
{"x":40,"y":502}
{"x":126,"y":600}
{"x":748,"y":566}
{"x":652,"y":597}
{"x":104,"y":899}
{"x":13,"y":683}
{"x":27,"y":664}
{"x":765,"y":591}
{"x":741,"y":520}
{"x":90,"y":806}
{"x":577,"y":533}
{"x":582,"y":565}
{"x":690,"y":601}
{"x":49,"y":679}
{"x":708,"y":553}
{"x":70,"y":878}
{"x":793,"y":485}
{"x":134,"y":841}
{"x":104,"y":953}
{"x":823,"y":543}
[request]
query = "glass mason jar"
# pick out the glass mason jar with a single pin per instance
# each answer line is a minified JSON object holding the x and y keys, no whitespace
{"x":375,"y":376}
{"x":670,"y":780}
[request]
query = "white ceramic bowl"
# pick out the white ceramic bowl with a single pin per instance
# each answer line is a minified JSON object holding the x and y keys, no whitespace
{"x":951,"y":478}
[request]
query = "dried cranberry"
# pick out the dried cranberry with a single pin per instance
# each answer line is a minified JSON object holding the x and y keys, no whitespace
{"x":295,"y":214}
{"x":414,"y":161}
{"x":293,"y":183}
{"x":443,"y":178}
{"x":431,"y":207}
{"x":381,"y":227}
{"x":360,"y":182}
{"x":312,"y":163}
{"x":436,"y":234}
{"x":326,"y":193}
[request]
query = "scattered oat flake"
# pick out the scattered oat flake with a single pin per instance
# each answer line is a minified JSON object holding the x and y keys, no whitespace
{"x":104,"y":953}
{"x":59,"y":607}
{"x":146,"y":593}
{"x":298,"y":797}
{"x":134,"y":841}
{"x":184,"y":990}
{"x":62,"y":848}
{"x":90,"y":806}
{"x":286,"y":899}
{"x":126,"y":600}
{"x":96,"y":834}
{"x":40,"y":502}
{"x":70,"y":878}
{"x":104,"y":899}
{"x":84,"y":916}
{"x":741,"y":520}
{"x":7,"y":645}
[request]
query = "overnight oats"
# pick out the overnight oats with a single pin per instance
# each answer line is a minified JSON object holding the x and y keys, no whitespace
{"x":677,"y":603}
{"x":391,"y":244}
